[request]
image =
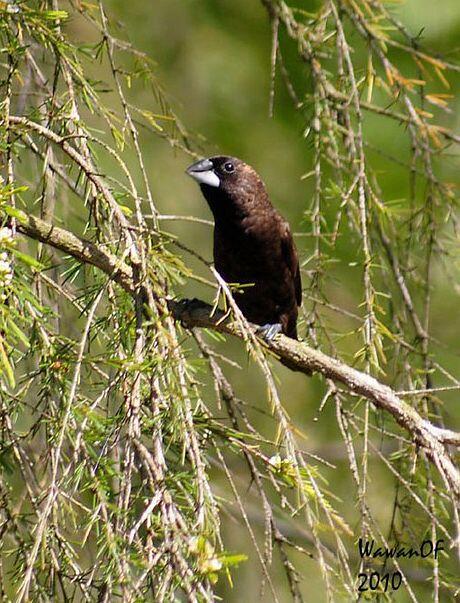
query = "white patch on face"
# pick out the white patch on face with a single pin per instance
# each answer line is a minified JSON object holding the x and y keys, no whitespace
{"x":208,"y":177}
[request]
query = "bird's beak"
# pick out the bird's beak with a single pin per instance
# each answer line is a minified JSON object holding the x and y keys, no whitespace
{"x":203,"y":172}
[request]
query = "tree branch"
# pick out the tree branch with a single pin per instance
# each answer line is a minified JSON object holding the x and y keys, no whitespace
{"x":81,"y":249}
{"x":297,"y":355}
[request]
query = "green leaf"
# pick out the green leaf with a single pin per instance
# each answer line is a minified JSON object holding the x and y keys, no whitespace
{"x":6,"y":367}
{"x":54,"y":15}
{"x":232,"y":560}
{"x":16,"y":331}
{"x":14,"y":212}
{"x":127,"y":211}
{"x":28,"y":260}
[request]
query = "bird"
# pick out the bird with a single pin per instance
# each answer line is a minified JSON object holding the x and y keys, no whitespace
{"x":253,"y":244}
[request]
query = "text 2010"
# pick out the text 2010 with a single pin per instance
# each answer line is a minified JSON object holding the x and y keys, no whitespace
{"x":374,"y":581}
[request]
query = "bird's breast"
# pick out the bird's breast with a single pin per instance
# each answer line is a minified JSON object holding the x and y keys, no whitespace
{"x":247,"y":252}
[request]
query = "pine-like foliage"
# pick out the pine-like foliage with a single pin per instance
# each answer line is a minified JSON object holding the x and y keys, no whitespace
{"x":124,"y":444}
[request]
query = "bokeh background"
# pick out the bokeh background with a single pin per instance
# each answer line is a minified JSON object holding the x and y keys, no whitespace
{"x":213,"y":59}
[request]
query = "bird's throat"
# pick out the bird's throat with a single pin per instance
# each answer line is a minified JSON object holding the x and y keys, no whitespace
{"x":225,"y":208}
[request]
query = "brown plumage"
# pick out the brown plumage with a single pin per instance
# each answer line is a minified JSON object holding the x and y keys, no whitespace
{"x":253,"y":244}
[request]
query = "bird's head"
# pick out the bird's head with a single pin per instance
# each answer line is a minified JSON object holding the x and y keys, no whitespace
{"x":228,"y":184}
{"x":228,"y":174}
{"x":218,"y":172}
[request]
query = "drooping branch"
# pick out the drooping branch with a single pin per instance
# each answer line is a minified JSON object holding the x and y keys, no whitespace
{"x":284,"y":15}
{"x":298,"y":355}
{"x":81,"y":249}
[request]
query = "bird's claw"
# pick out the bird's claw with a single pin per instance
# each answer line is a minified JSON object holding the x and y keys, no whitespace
{"x":186,"y":308}
{"x":188,"y":305}
{"x":269,"y":331}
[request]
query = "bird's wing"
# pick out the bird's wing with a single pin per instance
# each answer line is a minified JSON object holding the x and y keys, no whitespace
{"x":291,"y":259}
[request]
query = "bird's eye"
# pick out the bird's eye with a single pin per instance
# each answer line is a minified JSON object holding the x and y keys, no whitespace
{"x":229,"y":167}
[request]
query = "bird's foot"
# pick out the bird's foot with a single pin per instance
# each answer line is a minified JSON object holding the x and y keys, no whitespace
{"x":190,"y":304}
{"x":269,"y":331}
{"x":187,"y":306}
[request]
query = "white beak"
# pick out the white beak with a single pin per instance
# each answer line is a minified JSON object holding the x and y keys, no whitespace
{"x":203,"y":172}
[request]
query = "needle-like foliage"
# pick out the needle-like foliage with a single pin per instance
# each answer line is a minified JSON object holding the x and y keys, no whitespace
{"x":117,"y":464}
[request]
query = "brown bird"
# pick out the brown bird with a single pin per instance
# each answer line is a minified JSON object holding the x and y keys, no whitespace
{"x":253,"y":245}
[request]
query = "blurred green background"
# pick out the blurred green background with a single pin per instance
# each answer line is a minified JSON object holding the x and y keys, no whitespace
{"x":213,"y":59}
